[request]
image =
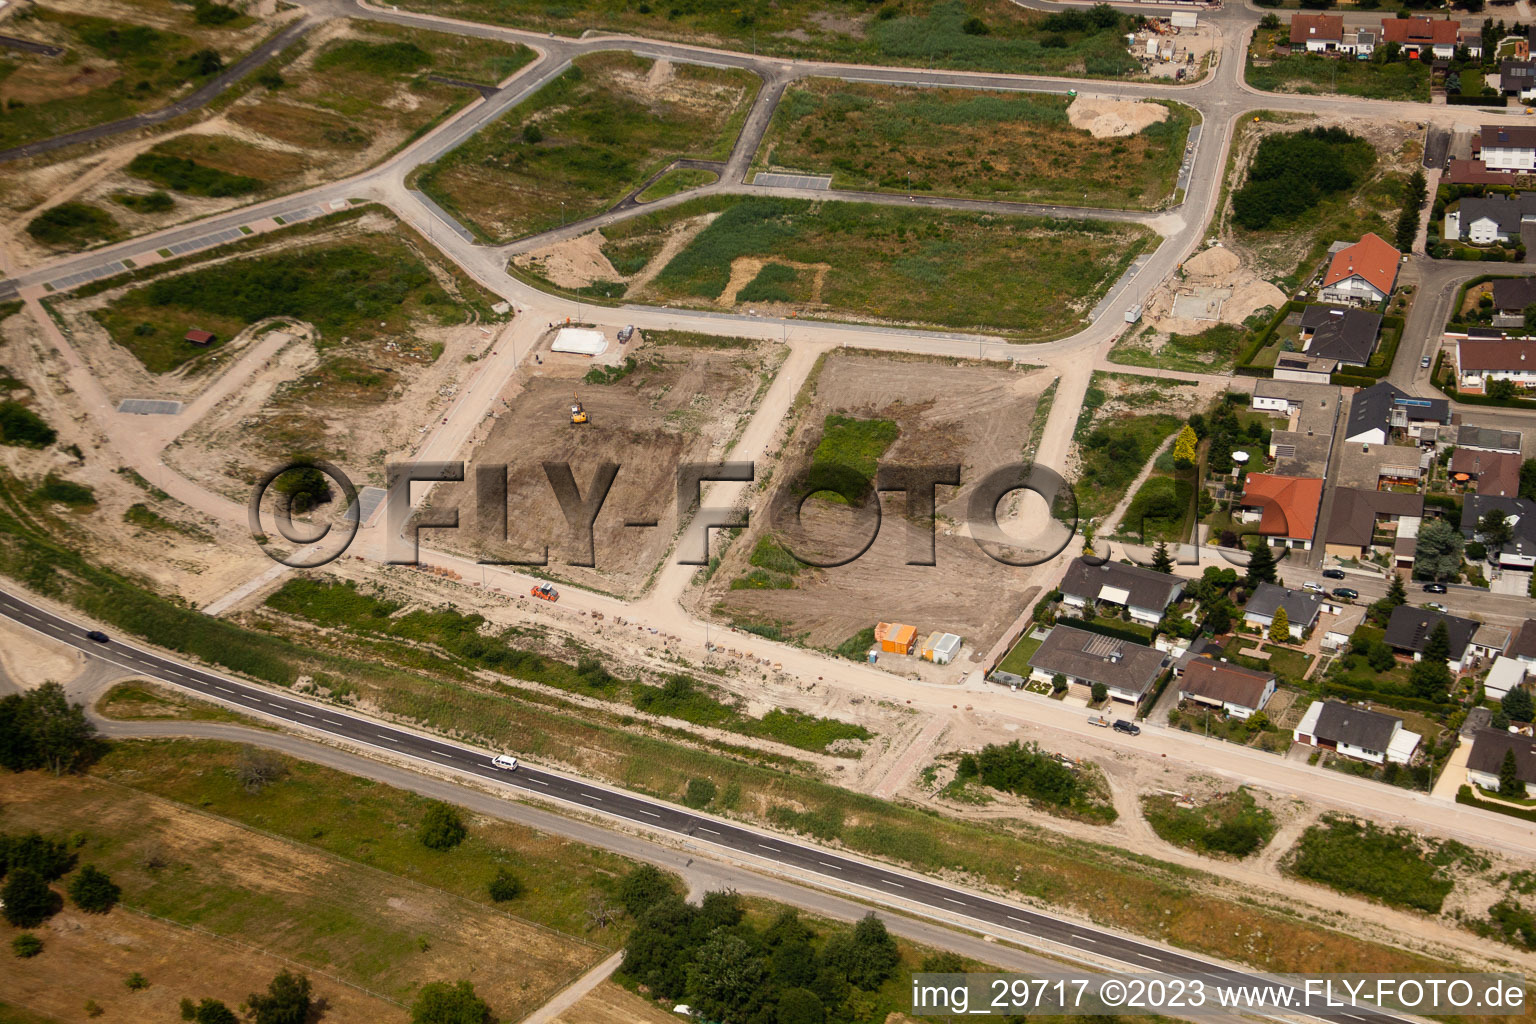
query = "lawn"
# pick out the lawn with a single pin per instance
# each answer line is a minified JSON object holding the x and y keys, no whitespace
{"x":990,"y":35}
{"x":586,"y":139}
{"x":110,"y":69}
{"x":1161,"y":509}
{"x":1017,"y":660}
{"x":1029,"y":276}
{"x":144,"y":701}
{"x":355,"y":288}
{"x":845,"y":460}
{"x":964,"y":142}
{"x":1213,"y":350}
{"x":1313,"y":73}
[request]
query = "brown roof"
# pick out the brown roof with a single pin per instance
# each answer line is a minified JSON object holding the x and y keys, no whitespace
{"x":1474,"y":354}
{"x":1496,"y":473}
{"x":1316,"y":26}
{"x":1371,"y":258}
{"x":1507,"y":136}
{"x":1229,"y":684}
{"x":1524,"y":643}
{"x":1489,"y":747}
{"x":1419,"y":31}
{"x":200,"y":337}
{"x":1353,"y":519}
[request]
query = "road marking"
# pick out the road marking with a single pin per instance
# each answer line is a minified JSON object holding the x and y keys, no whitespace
{"x":539,"y":781}
{"x":955,"y":902}
{"x":1149,"y":956}
{"x":642,"y":810}
{"x":226,"y":689}
{"x":824,"y":864}
{"x":896,"y":884}
{"x":593,"y":796}
{"x":383,"y":737}
{"x":1085,"y":938}
{"x":306,"y":714}
{"x":1018,"y":919}
{"x":709,"y":830}
{"x":761,"y":846}
{"x":275,"y":704}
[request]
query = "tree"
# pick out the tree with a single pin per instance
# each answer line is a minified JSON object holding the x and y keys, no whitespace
{"x":800,"y":1006}
{"x":1499,"y":720}
{"x":1218,"y":616}
{"x":1528,"y":479}
{"x":1058,"y":683}
{"x":41,"y":729}
{"x":286,"y":1000}
{"x":1517,"y":704}
{"x":725,"y":975}
{"x":1261,"y":565}
{"x":866,"y":957}
{"x":1162,"y":561}
{"x":1270,"y":21}
{"x":441,"y":1003}
{"x":1509,"y":776}
{"x":1397,"y":593}
{"x":643,"y":888}
{"x":441,"y":827}
{"x":1500,"y":390}
{"x":1530,"y":315}
{"x":505,"y":886}
{"x":1100,"y":692}
{"x":1429,"y":680}
{"x":302,"y":488}
{"x":212,"y":1011}
{"x":94,"y":892}
{"x":28,"y":900}
{"x":1494,"y":528}
{"x":1280,"y":627}
{"x":50,"y":858}
{"x":1184,"y":447}
{"x":1438,"y":647}
{"x":1437,"y":555}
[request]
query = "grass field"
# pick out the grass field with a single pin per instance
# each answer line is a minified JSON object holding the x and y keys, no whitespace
{"x":1213,"y":350}
{"x":1228,"y":825}
{"x":989,"y":35}
{"x":141,"y":701}
{"x":680,"y":180}
{"x":586,"y":139}
{"x":1310,"y":73}
{"x":1031,"y":277}
{"x":1112,"y":450}
{"x":358,"y":288}
{"x":963,"y":142}
{"x":1389,"y":865}
{"x":110,"y":69}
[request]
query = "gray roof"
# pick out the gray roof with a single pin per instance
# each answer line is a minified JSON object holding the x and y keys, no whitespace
{"x":1343,"y":333}
{"x":1372,"y":408}
{"x":1353,"y":520}
{"x":1522,"y":535}
{"x":1515,"y":75}
{"x":1506,"y":212}
{"x":1301,"y":606}
{"x":1514,"y":292}
{"x":1524,"y":643}
{"x":1318,"y":404}
{"x":1358,"y":727}
{"x":1099,"y":659}
{"x":1409,"y":628}
{"x":1301,"y":453}
{"x":1488,"y":438}
{"x":1148,"y":588}
{"x":1489,"y":747}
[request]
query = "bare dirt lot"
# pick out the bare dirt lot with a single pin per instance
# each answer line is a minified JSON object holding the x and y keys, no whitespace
{"x":611,"y":1003}
{"x":684,"y":398}
{"x":979,"y":415}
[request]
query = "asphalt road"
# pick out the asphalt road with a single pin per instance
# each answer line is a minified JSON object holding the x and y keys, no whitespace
{"x":650,"y":814}
{"x":204,"y":95}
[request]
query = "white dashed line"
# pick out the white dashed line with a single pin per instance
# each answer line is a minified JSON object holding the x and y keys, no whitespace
{"x":762,"y":847}
{"x":896,"y":884}
{"x":383,"y":737}
{"x":540,"y":782}
{"x":955,"y":902}
{"x":644,"y":811}
{"x":709,"y":830}
{"x":273,"y":703}
{"x":306,"y":714}
{"x":1148,"y":956}
{"x":593,"y":796}
{"x":824,"y":864}
{"x":226,"y":689}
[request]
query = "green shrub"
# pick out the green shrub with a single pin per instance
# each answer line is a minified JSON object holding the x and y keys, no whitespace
{"x":441,"y":827}
{"x":26,"y":945}
{"x":64,"y":492}
{"x":847,"y":456}
{"x":72,"y":224}
{"x":92,"y":891}
{"x":20,"y":427}
{"x":699,"y":794}
{"x":1359,"y":857}
{"x":142,"y":202}
{"x":190,"y":177}
{"x":387,"y":59}
{"x":505,"y":886}
{"x":1292,"y":172}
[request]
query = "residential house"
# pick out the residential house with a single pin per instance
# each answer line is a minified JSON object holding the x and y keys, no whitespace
{"x":1285,"y":507}
{"x":1376,"y":411}
{"x":1409,"y":628}
{"x":1304,"y":369}
{"x":1510,"y":297}
{"x":1518,"y":78}
{"x":1362,"y":274}
{"x":1361,"y":42}
{"x":1359,"y":515}
{"x":1317,"y":33}
{"x":1471,"y":40}
{"x":1510,"y":149}
{"x":1240,"y":692}
{"x":1496,"y":474}
{"x":1301,"y":608}
{"x":1486,"y":760}
{"x":1126,"y":669}
{"x":1482,"y":359}
{"x":1519,"y":552}
{"x":1356,"y":732}
{"x":1380,"y":466}
{"x":1344,"y":334}
{"x":1147,"y":593}
{"x":1470,"y":437}
{"x":1416,"y":35}
{"x":1300,"y":453}
{"x":1343,"y":627}
{"x":1484,"y":220}
{"x":1306,"y":406}
{"x":1488,"y":642}
{"x":1523,"y":646}
{"x":1506,"y":674}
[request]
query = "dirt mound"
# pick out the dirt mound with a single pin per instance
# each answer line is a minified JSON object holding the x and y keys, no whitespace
{"x":574,"y":263}
{"x":1216,"y":262}
{"x":1249,"y":298}
{"x":1105,"y":119}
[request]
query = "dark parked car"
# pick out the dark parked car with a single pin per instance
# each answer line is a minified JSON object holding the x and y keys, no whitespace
{"x":97,"y":635}
{"x":1346,"y":593}
{"x":1333,"y":574}
{"x":1126,"y":726}
{"x":1434,"y":588}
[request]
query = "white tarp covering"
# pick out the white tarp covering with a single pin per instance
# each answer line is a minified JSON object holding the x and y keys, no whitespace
{"x":1114,"y":595}
{"x":582,"y":342}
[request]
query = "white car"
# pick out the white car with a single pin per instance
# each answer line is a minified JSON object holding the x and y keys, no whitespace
{"x":1316,"y":588}
{"x":506,"y":762}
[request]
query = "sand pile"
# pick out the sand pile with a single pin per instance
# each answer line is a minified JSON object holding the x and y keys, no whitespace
{"x":1105,"y":119}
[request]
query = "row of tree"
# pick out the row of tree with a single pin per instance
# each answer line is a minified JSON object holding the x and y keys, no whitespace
{"x":42,"y":729}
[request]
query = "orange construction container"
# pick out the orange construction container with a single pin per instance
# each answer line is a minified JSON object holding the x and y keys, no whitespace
{"x":896,"y":638}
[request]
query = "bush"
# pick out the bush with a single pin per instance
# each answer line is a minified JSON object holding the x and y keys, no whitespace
{"x":64,"y":492}
{"x":209,"y":1011}
{"x":699,"y":794}
{"x":505,"y":886}
{"x":26,"y":945}
{"x":152,"y":202}
{"x":286,"y":1000}
{"x":72,"y":224}
{"x":190,"y":177}
{"x":643,"y":888}
{"x":441,"y":827}
{"x":94,"y":892}
{"x":1292,"y":172}
{"x":20,"y":427}
{"x":28,"y":900}
{"x":1360,"y":857}
{"x":136,"y":982}
{"x":441,"y":1003}
{"x":50,"y":858}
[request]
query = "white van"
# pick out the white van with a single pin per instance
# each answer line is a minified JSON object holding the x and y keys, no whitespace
{"x":506,"y":762}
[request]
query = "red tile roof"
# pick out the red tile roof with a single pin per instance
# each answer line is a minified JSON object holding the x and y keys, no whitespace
{"x":200,"y":337}
{"x":1289,"y":504}
{"x":1316,"y":26}
{"x":1371,"y":258}
{"x":1420,"y":31}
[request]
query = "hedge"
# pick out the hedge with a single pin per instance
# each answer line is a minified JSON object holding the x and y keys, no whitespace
{"x":1392,"y":698}
{"x":1446,"y":501}
{"x":1464,"y":795}
{"x":1448,"y":387}
{"x":1106,"y":630}
{"x":1245,"y":359}
{"x":1391,"y":335}
{"x":1350,"y":380}
{"x":1463,"y":100}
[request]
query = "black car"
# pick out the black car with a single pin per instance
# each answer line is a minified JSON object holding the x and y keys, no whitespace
{"x":97,"y":635}
{"x":1345,"y":593}
{"x":1434,"y":588}
{"x":1333,"y":574}
{"x":1126,"y":726}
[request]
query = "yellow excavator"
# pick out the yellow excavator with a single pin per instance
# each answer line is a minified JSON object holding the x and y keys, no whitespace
{"x":578,"y":411}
